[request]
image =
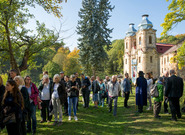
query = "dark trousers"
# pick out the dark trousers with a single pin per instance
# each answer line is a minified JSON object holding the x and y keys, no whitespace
{"x":140,"y":108}
{"x":165,"y":105}
{"x":126,"y":99}
{"x":23,"y":127}
{"x":14,"y":128}
{"x":66,"y":107}
{"x":45,"y":107}
{"x":86,"y":97}
{"x":157,"y":108}
{"x":32,"y":118}
{"x":175,"y":107}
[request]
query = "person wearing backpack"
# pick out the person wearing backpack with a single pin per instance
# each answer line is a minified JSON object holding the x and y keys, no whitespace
{"x":158,"y":100}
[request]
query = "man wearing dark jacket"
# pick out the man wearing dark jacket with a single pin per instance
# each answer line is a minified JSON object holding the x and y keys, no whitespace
{"x":173,"y":91}
{"x":79,"y":86}
{"x":85,"y":90}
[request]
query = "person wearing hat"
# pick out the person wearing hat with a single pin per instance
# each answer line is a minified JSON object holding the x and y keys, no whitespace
{"x":141,"y":92}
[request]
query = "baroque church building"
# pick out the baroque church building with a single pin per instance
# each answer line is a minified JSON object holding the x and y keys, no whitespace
{"x":142,"y":53}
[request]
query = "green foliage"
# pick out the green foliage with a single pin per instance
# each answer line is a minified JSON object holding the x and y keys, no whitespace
{"x":176,"y":15}
{"x":5,"y":78}
{"x":94,"y":33}
{"x":52,"y":68}
{"x":115,"y":54}
{"x":171,"y":39}
{"x":180,"y":57}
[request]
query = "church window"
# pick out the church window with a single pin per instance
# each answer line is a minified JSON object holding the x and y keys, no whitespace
{"x":134,"y":45}
{"x":126,"y":45}
{"x":139,"y":40}
{"x":150,"y":39}
{"x":125,"y":61}
{"x":168,"y":59}
{"x":150,"y":59}
{"x":139,"y":59}
{"x":162,"y":70}
{"x":164,"y":60}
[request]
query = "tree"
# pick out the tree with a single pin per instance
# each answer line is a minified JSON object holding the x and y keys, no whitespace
{"x":94,"y":33}
{"x":17,"y":44}
{"x":176,"y":15}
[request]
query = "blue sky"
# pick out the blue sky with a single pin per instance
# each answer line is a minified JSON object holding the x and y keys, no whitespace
{"x":125,"y":12}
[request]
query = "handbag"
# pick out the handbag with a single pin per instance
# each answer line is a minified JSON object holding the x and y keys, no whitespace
{"x":10,"y":118}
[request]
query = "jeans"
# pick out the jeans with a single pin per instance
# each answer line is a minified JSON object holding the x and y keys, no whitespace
{"x":86,"y":97}
{"x":72,"y":100}
{"x":57,"y":108}
{"x":115,"y":105}
{"x":32,"y":115}
{"x":99,"y":98}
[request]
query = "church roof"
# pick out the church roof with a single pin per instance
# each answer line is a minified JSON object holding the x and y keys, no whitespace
{"x":131,"y":30}
{"x":162,"y":47}
{"x":145,"y":23}
{"x":172,"y":49}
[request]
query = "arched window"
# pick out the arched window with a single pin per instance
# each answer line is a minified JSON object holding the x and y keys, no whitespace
{"x":134,"y":45}
{"x":125,"y":61}
{"x":126,"y":45}
{"x":139,"y":40}
{"x":150,"y":39}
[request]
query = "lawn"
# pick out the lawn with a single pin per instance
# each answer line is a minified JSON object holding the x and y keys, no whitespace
{"x":100,"y":122}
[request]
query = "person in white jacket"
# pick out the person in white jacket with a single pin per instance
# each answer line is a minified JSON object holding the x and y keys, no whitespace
{"x":113,"y":90}
{"x":149,"y":86}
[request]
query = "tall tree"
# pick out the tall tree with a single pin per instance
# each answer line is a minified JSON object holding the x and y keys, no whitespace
{"x":18,"y":45}
{"x":94,"y":33}
{"x":175,"y":16}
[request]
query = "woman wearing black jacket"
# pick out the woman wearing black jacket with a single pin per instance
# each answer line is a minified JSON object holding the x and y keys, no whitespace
{"x":13,"y":103}
{"x":20,"y":83}
{"x":72,"y":90}
{"x":2,"y":90}
{"x":57,"y":99}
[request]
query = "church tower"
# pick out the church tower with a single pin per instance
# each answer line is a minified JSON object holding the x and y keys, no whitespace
{"x":147,"y":56}
{"x":130,"y":41}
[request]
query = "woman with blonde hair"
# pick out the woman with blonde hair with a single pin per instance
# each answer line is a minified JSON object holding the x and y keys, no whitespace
{"x":57,"y":98}
{"x":13,"y":105}
{"x":20,"y":83}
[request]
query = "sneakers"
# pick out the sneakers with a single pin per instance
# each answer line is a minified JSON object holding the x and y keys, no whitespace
{"x":69,"y":118}
{"x":149,"y":108}
{"x":75,"y":118}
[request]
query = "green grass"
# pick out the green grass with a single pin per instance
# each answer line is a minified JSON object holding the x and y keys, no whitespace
{"x":99,"y":122}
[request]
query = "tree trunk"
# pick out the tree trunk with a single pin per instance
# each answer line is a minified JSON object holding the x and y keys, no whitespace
{"x":13,"y":62}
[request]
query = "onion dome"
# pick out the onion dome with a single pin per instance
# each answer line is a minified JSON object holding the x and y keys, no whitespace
{"x":145,"y":23}
{"x":131,"y":31}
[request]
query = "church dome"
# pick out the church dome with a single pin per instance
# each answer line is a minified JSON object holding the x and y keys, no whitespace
{"x":145,"y":23}
{"x":131,"y":31}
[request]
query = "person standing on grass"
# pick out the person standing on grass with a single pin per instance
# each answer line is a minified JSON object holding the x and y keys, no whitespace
{"x":20,"y":83}
{"x":13,"y":103}
{"x":126,"y":87}
{"x":141,"y":91}
{"x":95,"y":86}
{"x":62,"y":76}
{"x":173,"y":91}
{"x":79,"y":86}
{"x":13,"y":73}
{"x":45,"y":88}
{"x":33,"y":96}
{"x":102,"y":92}
{"x":113,"y":89}
{"x":158,"y":100}
{"x":106,"y":81}
{"x":149,"y":86}
{"x":57,"y":99}
{"x":165,"y":77}
{"x":85,"y":90}
{"x":72,"y":88}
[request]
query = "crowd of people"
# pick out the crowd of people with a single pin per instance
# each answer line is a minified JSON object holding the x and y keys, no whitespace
{"x":20,"y":97}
